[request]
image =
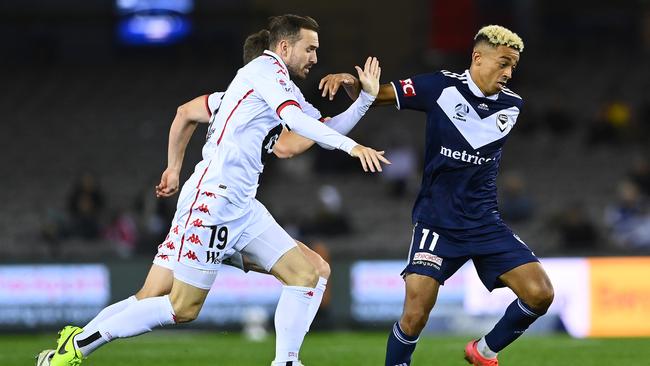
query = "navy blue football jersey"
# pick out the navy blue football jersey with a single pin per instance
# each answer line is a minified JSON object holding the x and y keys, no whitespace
{"x":465,"y":133}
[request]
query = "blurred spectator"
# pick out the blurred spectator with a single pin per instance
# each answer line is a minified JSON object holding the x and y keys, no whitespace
{"x":153,"y":217}
{"x":122,"y":231}
{"x":613,"y":125}
{"x":640,"y":175}
{"x":576,"y":229}
{"x":515,"y":204}
{"x":558,"y":119}
{"x":643,"y":128}
{"x":403,"y":168}
{"x":629,"y":218}
{"x":330,"y":218}
{"x":85,"y":207}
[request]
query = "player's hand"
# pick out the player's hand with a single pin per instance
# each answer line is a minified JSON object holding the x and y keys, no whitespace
{"x":330,"y":85}
{"x":168,"y":185}
{"x":370,"y":158}
{"x":369,"y":76}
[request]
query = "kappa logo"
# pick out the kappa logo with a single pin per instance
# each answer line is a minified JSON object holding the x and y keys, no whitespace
{"x":483,"y":106}
{"x":197,"y":222}
{"x":462,"y":110}
{"x":194,"y":239}
{"x":170,"y":245}
{"x":164,"y":257}
{"x":204,"y":208}
{"x":502,"y":122}
{"x":191,"y":255}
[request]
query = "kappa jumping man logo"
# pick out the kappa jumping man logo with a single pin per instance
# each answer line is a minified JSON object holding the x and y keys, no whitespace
{"x":204,"y":208}
{"x":191,"y":255}
{"x":194,"y":239}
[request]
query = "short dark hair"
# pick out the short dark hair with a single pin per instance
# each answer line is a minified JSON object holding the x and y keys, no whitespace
{"x":255,"y":44}
{"x":288,"y":27}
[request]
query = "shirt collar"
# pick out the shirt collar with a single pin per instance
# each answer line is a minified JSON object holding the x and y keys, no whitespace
{"x":476,"y":90}
{"x":277,"y":58}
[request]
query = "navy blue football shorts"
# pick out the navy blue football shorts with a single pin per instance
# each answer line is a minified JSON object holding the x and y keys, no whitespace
{"x":438,"y":253}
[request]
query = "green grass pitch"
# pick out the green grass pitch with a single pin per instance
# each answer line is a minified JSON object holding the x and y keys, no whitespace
{"x":181,"y":348}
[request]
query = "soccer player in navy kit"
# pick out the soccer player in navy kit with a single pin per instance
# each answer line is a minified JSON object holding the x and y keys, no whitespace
{"x":456,"y":217}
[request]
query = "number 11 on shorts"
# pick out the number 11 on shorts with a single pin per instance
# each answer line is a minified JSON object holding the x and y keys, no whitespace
{"x":425,"y":235}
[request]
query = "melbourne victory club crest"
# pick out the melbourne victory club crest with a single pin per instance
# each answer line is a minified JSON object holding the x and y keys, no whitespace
{"x":502,"y":122}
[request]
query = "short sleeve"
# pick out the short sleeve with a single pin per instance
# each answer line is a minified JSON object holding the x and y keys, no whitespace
{"x":213,"y":102}
{"x":417,"y":92}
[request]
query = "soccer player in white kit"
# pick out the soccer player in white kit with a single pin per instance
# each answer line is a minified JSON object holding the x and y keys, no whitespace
{"x":218,"y":207}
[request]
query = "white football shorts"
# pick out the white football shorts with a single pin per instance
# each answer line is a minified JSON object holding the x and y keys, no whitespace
{"x":212,"y":229}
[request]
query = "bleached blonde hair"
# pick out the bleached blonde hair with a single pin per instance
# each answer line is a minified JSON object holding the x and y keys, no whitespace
{"x":497,"y":35}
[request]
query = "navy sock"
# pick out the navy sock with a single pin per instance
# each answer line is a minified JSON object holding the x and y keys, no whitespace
{"x":400,"y":347}
{"x":515,"y":321}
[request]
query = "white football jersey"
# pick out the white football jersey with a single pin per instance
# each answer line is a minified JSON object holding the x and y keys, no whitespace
{"x":245,"y":127}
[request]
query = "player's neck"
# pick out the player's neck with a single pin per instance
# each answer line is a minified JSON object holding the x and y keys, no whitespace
{"x":473,"y":74}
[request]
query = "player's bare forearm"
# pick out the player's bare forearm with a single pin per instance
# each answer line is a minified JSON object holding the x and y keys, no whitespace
{"x":182,"y":129}
{"x":352,"y":86}
{"x":290,"y":144}
{"x":386,"y":95}
{"x":180,"y":132}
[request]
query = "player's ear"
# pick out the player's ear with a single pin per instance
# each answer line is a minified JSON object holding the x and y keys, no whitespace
{"x":283,"y":47}
{"x":476,"y":57}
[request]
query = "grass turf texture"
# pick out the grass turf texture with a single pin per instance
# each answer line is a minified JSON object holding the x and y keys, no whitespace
{"x":182,"y":348}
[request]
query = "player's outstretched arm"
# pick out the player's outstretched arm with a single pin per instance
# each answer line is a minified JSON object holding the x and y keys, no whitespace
{"x":369,"y":157}
{"x":291,"y":144}
{"x":180,"y":132}
{"x":331,"y":83}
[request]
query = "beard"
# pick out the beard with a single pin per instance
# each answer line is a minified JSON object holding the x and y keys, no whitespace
{"x":296,"y":73}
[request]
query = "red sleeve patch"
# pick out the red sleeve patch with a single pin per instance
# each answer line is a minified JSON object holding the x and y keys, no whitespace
{"x":407,"y":87}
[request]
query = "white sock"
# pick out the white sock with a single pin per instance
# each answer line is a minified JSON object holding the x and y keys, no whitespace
{"x":484,"y":350}
{"x":106,"y":313}
{"x":289,"y":324}
{"x":314,"y":305}
{"x":138,"y":318}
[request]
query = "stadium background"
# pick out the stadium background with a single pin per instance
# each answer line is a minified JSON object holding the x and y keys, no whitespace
{"x":85,"y":95}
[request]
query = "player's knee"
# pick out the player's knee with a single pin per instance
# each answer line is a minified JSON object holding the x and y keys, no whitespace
{"x":305,"y":277}
{"x":540,"y":298}
{"x":310,"y":278}
{"x":186,"y":313}
{"x":413,"y":321}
